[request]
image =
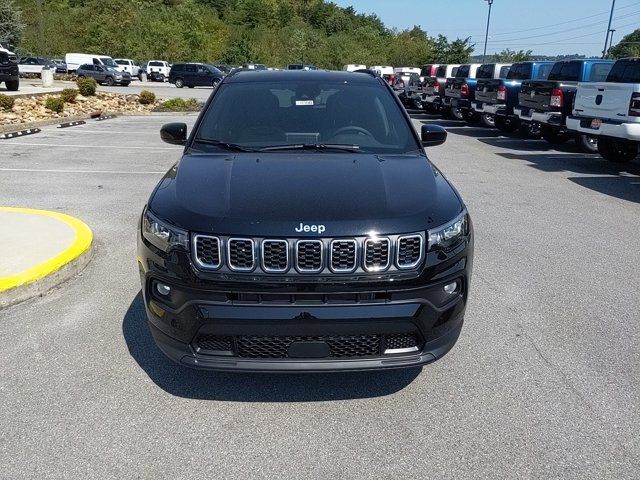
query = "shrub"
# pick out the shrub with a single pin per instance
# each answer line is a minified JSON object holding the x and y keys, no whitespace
{"x":180,"y":105}
{"x":55,"y":104}
{"x":6,"y":102}
{"x":69,"y":95}
{"x":147,"y":97}
{"x":87,"y":86}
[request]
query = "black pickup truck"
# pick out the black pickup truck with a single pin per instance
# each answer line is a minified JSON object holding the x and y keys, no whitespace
{"x":549,"y":102}
{"x":9,"y":73}
{"x":499,"y":97}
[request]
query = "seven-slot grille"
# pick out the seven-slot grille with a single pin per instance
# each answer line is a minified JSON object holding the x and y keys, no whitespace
{"x":306,"y":256}
{"x":241,"y":254}
{"x":409,"y":251}
{"x":309,"y":256}
{"x":376,"y":254}
{"x":343,"y":255}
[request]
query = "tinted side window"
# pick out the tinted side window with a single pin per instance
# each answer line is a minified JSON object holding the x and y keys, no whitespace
{"x":425,"y":71}
{"x":503,"y":72}
{"x":96,"y":61}
{"x":599,"y":72}
{"x":178,"y":68}
{"x":625,"y":71}
{"x":463,"y":71}
{"x":454,"y":72}
{"x":190,"y":68}
{"x":155,"y":64}
{"x":486,"y":71}
{"x":441,"y":72}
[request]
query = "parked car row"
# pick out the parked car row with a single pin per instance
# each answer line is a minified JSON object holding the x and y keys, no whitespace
{"x":594,"y":101}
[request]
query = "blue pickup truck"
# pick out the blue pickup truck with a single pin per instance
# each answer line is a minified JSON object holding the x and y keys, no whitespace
{"x":498,"y":97}
{"x":549,"y":102}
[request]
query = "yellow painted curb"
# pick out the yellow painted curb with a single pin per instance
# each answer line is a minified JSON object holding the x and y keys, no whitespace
{"x":82,"y":242}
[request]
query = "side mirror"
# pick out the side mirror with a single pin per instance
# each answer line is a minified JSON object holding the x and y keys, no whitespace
{"x":433,"y":135}
{"x":174,"y":133}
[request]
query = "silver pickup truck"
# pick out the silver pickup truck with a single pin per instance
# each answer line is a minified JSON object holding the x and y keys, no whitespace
{"x":611,"y":111}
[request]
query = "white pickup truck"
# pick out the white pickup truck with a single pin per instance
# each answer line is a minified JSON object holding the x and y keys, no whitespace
{"x":611,"y":111}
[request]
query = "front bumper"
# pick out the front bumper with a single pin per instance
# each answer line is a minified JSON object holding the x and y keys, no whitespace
{"x":608,"y":128}
{"x":9,"y":73}
{"x":252,"y":317}
{"x":529,"y":115}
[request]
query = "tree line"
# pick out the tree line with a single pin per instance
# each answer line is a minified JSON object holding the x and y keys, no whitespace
{"x":274,"y":32}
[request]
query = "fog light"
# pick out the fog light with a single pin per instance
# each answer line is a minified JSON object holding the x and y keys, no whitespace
{"x":165,"y":290}
{"x":451,"y":288}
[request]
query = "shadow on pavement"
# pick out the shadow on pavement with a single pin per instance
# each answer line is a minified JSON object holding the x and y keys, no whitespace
{"x":618,"y":180}
{"x":248,"y":387}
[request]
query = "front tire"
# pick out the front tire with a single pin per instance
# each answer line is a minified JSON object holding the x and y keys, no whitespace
{"x":179,"y":83}
{"x":617,"y":151}
{"x":12,"y":85}
{"x":108,"y":81}
{"x":587,"y":143}
{"x":506,"y":124}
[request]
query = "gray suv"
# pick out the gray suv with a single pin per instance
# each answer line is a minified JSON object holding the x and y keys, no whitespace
{"x":104,"y":74}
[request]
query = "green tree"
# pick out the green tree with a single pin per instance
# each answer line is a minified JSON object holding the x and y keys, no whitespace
{"x":512,"y":56}
{"x":460,"y":50}
{"x":11,"y":24}
{"x":629,"y":46}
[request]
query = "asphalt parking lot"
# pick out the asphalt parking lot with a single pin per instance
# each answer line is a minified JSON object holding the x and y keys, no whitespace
{"x":543,"y":383}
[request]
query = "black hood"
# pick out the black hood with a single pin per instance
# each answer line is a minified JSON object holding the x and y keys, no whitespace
{"x":270,"y":194}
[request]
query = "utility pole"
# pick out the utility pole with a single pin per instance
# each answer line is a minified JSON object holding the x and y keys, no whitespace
{"x":606,"y":40}
{"x":486,"y":35}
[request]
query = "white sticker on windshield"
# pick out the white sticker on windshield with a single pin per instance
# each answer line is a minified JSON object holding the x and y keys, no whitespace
{"x":304,"y":102}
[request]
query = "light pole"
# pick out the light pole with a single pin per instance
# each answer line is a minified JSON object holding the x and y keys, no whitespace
{"x":610,"y":41}
{"x":606,"y":39}
{"x":486,"y":35}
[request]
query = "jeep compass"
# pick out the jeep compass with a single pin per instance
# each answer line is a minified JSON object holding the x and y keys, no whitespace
{"x":304,"y":229}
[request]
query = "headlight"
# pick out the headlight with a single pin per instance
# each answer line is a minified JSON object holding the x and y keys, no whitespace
{"x":449,"y":234}
{"x":162,"y":235}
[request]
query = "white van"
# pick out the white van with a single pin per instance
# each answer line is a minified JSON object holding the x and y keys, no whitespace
{"x":128,"y":65}
{"x":74,"y":60}
{"x":353,"y":67}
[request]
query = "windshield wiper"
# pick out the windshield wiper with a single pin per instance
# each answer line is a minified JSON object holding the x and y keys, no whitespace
{"x":313,"y":146}
{"x":226,"y":145}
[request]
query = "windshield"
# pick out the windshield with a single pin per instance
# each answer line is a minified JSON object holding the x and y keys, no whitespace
{"x":257,"y":115}
{"x":108,"y":61}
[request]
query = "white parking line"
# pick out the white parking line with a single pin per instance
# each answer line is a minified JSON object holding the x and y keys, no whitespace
{"x":122,"y":172}
{"x":69,"y":145}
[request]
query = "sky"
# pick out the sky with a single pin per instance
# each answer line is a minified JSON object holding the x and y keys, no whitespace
{"x":548,"y":27}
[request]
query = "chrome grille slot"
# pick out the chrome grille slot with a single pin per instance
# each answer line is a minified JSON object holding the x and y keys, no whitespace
{"x":207,"y":251}
{"x":309,"y":258}
{"x":241,"y":254}
{"x":376,"y":257}
{"x":275,"y":256}
{"x":409,"y":251}
{"x":344,"y":256}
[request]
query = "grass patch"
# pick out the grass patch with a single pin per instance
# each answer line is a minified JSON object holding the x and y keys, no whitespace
{"x":180,"y":105}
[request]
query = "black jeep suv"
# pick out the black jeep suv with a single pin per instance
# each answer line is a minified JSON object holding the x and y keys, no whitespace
{"x":304,"y":229}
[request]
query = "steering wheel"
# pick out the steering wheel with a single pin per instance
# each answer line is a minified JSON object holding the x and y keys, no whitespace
{"x":353,"y":128}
